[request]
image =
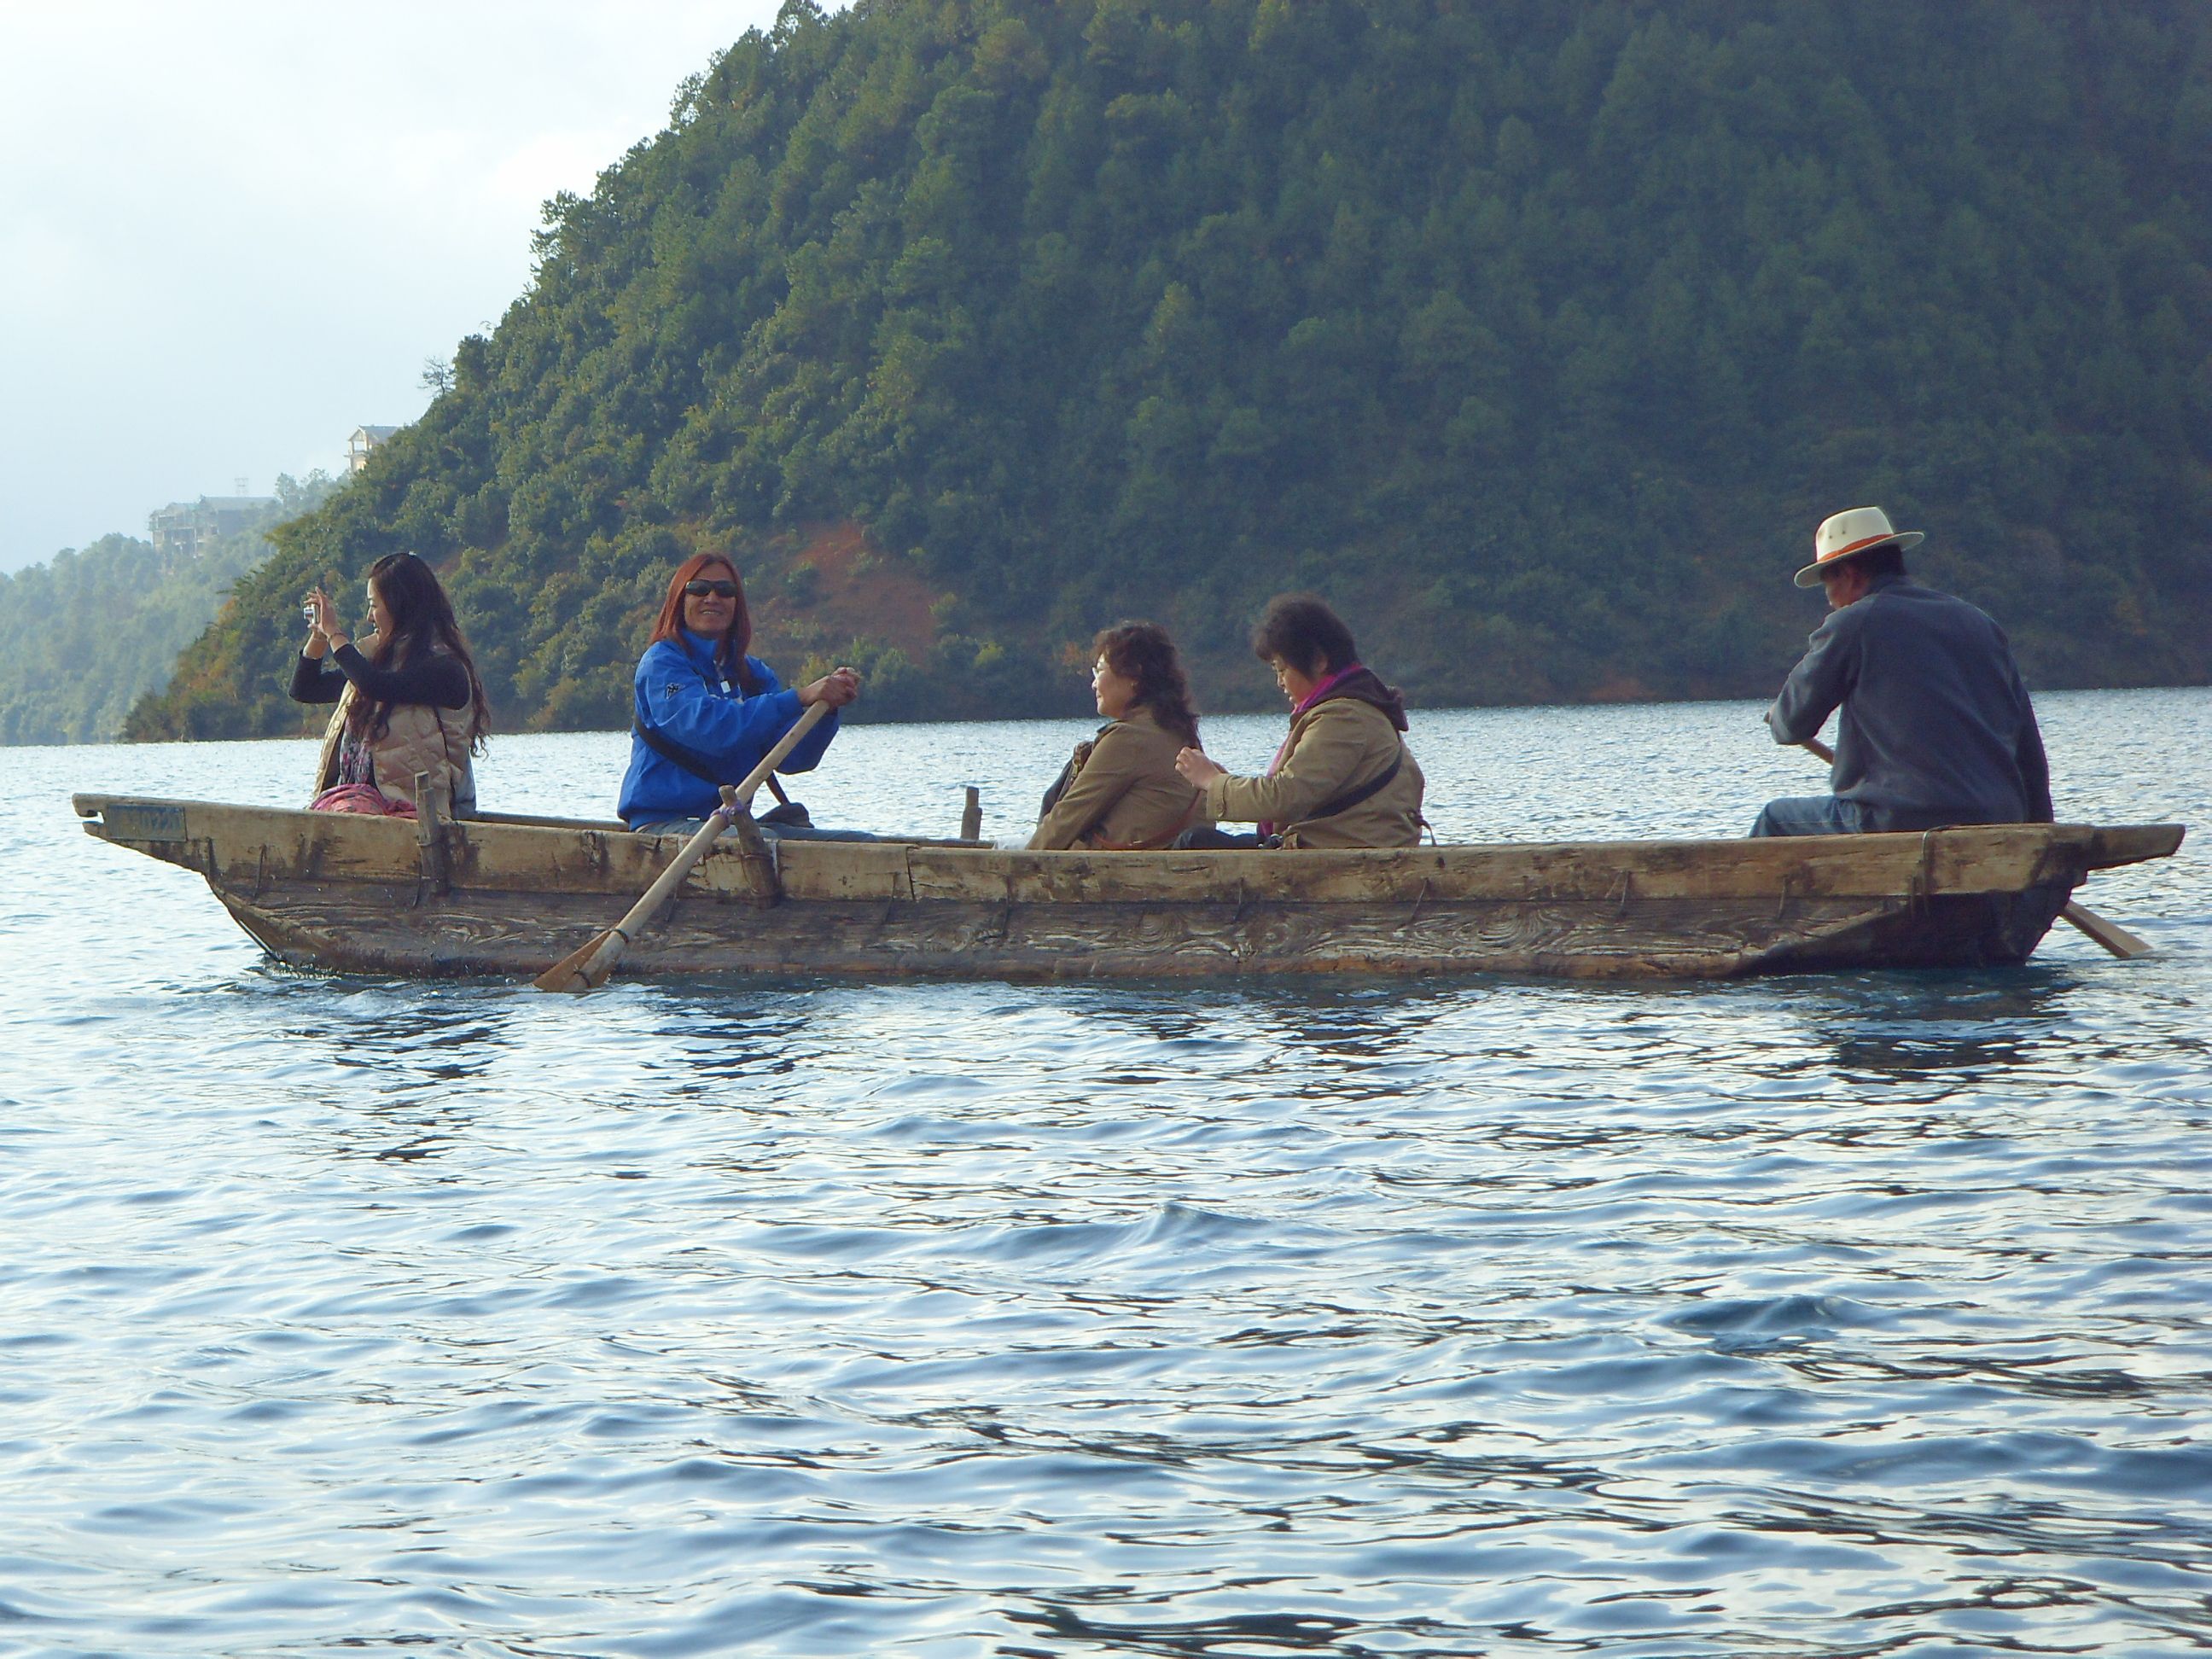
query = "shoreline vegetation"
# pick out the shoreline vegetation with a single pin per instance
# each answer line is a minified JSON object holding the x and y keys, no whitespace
{"x":84,"y":636}
{"x":1538,"y":338}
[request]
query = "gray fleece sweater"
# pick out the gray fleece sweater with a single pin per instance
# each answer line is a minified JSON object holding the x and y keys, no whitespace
{"x":1936,"y":726}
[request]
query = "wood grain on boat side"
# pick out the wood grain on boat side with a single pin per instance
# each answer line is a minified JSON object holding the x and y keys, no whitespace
{"x":507,"y":898}
{"x":476,"y":933}
{"x":550,"y":857}
{"x":1996,"y":858}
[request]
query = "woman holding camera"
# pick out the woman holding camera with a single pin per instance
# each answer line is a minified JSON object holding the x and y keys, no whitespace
{"x":409,"y":700}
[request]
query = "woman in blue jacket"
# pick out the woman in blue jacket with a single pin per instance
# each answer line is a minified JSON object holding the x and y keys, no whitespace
{"x":703,"y":713}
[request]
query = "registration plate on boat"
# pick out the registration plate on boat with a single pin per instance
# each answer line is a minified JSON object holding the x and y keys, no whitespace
{"x":144,"y":823}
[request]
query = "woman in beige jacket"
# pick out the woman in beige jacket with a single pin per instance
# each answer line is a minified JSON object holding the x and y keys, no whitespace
{"x":1343,"y":777}
{"x":1121,"y":790}
{"x":408,"y":701}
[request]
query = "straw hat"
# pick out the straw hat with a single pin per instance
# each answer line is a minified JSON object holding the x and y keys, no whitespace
{"x":1859,"y":530}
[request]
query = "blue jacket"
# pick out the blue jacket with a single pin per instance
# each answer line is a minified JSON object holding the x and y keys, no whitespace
{"x":1937,"y":727}
{"x":680,"y":693}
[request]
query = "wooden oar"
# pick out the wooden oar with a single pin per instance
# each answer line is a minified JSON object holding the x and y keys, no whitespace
{"x":2109,"y":934}
{"x":583,"y":969}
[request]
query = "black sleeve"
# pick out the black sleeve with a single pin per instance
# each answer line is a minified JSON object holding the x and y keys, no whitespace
{"x":311,"y":684}
{"x":437,"y":680}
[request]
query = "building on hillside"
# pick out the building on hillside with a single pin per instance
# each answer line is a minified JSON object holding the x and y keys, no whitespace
{"x":182,"y":529}
{"x":364,"y":438}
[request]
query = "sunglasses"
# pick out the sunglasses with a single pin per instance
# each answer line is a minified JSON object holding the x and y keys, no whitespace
{"x":699,"y":590}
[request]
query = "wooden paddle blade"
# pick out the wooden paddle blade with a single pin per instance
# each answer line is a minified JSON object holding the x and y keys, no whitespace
{"x":576,"y":971}
{"x":2109,"y":934}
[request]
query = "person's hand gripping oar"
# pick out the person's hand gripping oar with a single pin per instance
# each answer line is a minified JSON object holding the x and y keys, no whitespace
{"x":585,"y":969}
{"x":2109,"y":934}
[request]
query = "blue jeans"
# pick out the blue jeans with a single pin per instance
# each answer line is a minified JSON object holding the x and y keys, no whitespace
{"x":1812,"y":814}
{"x":689,"y":827}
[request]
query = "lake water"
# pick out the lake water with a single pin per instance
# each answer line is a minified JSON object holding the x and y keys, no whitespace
{"x":1847,"y":1315}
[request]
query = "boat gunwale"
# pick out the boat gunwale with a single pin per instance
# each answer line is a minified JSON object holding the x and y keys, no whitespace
{"x":496,"y":853}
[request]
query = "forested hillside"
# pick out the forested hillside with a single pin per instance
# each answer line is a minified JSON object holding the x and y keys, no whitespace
{"x":83,"y":636}
{"x":1538,"y":336}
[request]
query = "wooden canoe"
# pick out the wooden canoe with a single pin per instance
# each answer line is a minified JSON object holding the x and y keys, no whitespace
{"x":508,"y":895}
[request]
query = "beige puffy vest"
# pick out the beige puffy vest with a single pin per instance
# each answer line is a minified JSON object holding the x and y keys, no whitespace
{"x":417,"y":737}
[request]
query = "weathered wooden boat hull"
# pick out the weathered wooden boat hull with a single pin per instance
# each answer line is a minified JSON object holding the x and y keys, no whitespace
{"x":507,"y":896}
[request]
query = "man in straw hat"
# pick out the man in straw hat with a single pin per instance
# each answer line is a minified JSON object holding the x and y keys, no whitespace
{"x":1937,"y":727}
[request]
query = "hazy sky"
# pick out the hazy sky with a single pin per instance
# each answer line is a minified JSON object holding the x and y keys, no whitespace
{"x":231,"y":230}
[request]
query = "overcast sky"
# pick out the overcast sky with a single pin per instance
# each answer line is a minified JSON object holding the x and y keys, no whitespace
{"x":232,"y":230}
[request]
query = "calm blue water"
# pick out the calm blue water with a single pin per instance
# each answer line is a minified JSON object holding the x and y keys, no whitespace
{"x":1856,"y":1315}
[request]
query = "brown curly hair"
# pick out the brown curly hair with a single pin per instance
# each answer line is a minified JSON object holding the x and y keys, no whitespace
{"x":1142,"y":652}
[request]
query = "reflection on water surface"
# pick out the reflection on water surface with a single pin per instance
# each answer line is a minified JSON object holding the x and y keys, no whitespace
{"x":1847,"y":1315}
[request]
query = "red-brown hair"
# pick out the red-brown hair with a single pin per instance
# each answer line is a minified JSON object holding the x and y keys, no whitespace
{"x":730,"y":649}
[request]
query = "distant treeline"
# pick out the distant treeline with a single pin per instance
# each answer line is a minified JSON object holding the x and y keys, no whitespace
{"x":1537,"y":335}
{"x":83,"y":636}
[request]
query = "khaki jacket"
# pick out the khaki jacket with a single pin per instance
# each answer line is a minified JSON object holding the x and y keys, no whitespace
{"x":1336,"y":747}
{"x":1126,"y":793}
{"x":417,"y":737}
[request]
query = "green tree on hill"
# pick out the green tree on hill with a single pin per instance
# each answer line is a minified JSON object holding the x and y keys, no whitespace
{"x":83,"y":636}
{"x":1539,"y":337}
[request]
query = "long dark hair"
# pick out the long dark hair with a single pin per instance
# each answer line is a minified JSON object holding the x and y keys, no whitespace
{"x":421,"y":623}
{"x":736,"y":639}
{"x":1142,"y":652}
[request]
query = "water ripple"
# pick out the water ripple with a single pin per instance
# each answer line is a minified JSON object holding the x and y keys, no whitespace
{"x":1842,"y":1316}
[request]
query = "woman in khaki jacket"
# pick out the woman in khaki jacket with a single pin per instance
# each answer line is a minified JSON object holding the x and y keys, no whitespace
{"x":1121,"y":791}
{"x":1343,"y":777}
{"x":408,"y":701}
